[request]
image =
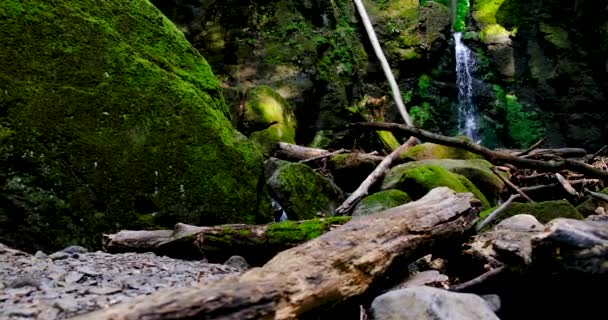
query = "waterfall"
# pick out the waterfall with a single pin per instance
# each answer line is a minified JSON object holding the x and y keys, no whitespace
{"x":467,"y":113}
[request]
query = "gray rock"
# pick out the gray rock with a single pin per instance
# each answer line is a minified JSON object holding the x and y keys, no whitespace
{"x":73,"y":277}
{"x":427,"y":303}
{"x":493,"y":301}
{"x":75,"y":249}
{"x":237,"y":262}
{"x":59,"y":255}
{"x":41,"y":255}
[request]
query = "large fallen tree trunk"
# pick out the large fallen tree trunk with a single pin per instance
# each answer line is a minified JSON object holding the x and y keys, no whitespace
{"x":338,"y":265}
{"x":492,"y":156}
{"x":256,"y":243}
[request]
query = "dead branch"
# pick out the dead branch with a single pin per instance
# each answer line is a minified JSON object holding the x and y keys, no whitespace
{"x":476,"y":281}
{"x":513,"y":186}
{"x":378,"y":173}
{"x":496,"y":212}
{"x":565,"y":184}
{"x":294,"y":152}
{"x":336,"y":266}
{"x":329,"y":154}
{"x":597,"y":154}
{"x":556,"y":185}
{"x":532,"y":147}
{"x":597,"y":195}
{"x":492,"y":156}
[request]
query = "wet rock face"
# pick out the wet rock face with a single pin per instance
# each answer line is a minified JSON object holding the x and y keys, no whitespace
{"x":69,"y":283}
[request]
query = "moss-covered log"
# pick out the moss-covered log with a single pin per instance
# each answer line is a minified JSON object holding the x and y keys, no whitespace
{"x":332,"y":268}
{"x":256,"y":243}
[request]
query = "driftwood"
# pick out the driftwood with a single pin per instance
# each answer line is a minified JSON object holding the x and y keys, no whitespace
{"x":560,"y":152}
{"x":256,"y":243}
{"x":593,"y":156}
{"x":290,"y":151}
{"x":478,"y":280}
{"x":378,"y":173}
{"x":565,"y":184}
{"x":492,"y":156}
{"x":329,"y":154}
{"x":597,"y":195}
{"x":336,"y":266}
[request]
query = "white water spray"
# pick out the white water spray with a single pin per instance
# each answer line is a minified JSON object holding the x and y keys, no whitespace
{"x":467,"y":113}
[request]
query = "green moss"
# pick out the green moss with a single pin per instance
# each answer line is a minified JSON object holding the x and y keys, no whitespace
{"x":299,"y":231}
{"x":121,"y":117}
{"x":435,"y":151}
{"x":417,"y":181}
{"x":380,"y":201}
{"x":485,"y":14}
{"x":477,"y":171}
{"x":303,"y":193}
{"x":262,"y":107}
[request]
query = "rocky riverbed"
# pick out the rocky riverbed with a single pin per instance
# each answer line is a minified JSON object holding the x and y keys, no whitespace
{"x":73,"y":281}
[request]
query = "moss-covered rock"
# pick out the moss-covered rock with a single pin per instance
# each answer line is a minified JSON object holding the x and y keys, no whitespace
{"x":543,"y":211}
{"x":477,"y":170}
{"x":294,"y":232}
{"x":349,"y":170}
{"x":116,"y":122}
{"x":267,"y":117}
{"x":381,"y":201}
{"x":303,"y":193}
{"x":427,"y":151}
{"x":417,"y":181}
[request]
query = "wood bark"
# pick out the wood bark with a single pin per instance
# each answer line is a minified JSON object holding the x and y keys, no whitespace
{"x":256,"y":243}
{"x":378,"y":173}
{"x":512,"y":185}
{"x":492,"y":156}
{"x":327,"y":270}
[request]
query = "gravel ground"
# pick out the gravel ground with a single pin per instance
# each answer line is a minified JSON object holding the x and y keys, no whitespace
{"x":73,"y":281}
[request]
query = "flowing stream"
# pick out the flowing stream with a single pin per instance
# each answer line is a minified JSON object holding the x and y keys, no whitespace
{"x":467,"y":113}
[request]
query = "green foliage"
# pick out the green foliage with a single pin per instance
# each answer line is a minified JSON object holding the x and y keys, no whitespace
{"x":424,"y":82}
{"x":462,"y":10}
{"x":113,"y":117}
{"x":522,"y":128}
{"x":421,"y":114}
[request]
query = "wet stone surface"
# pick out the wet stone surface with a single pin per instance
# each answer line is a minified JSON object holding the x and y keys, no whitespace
{"x":72,"y":281}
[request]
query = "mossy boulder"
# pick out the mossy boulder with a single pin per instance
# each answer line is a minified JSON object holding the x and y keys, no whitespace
{"x":294,"y":232}
{"x":417,"y":181}
{"x":114,"y":121}
{"x":303,"y":193}
{"x":267,"y":117}
{"x":381,"y":201}
{"x":477,"y":170}
{"x":428,"y":150}
{"x":543,"y":211}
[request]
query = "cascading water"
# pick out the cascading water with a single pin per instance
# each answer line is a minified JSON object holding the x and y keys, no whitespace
{"x":467,"y":113}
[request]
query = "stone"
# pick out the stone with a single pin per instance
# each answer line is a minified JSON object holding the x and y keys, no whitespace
{"x":493,"y":301}
{"x":380,"y":201}
{"x":427,"y":303}
{"x":238,"y":263}
{"x":544,"y":211}
{"x":59,"y":255}
{"x":151,"y":137}
{"x":478,"y":171}
{"x":75,"y":249}
{"x":303,"y":193}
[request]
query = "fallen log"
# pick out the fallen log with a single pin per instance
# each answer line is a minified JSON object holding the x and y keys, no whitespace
{"x":492,"y":156}
{"x":336,"y":266}
{"x":256,"y":243}
{"x":290,"y":151}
